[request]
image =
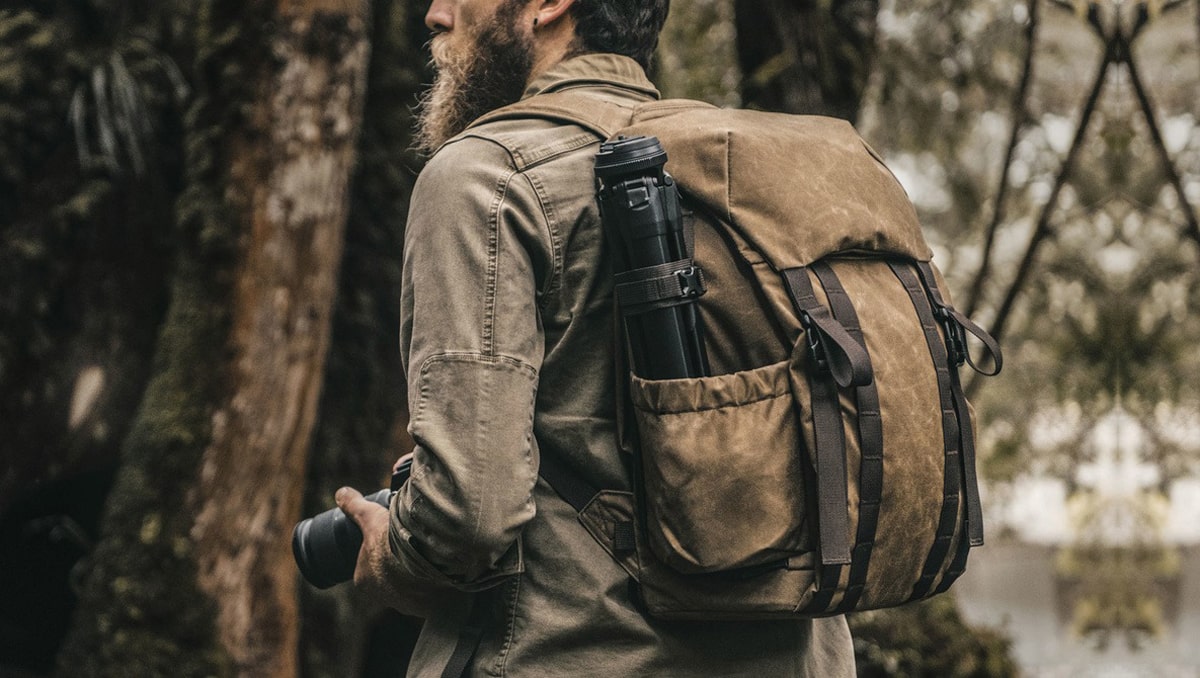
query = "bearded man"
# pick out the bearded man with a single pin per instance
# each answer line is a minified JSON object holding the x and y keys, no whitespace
{"x":508,"y":345}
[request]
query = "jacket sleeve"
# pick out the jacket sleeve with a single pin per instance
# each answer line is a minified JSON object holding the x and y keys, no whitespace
{"x":476,"y":246}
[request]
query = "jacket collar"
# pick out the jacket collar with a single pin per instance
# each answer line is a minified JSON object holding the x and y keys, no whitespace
{"x":593,"y":69}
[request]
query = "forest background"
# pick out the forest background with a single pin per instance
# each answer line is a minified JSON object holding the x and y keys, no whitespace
{"x":201,"y":213}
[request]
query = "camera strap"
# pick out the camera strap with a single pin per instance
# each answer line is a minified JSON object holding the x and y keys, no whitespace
{"x":468,"y":642}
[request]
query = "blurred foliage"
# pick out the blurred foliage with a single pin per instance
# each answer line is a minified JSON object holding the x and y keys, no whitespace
{"x":927,"y":640}
{"x":1119,"y":594}
{"x":806,"y":56}
{"x":1093,"y":267}
{"x":697,"y":56}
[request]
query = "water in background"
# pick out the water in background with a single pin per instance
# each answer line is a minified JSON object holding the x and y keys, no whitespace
{"x":1015,"y":587}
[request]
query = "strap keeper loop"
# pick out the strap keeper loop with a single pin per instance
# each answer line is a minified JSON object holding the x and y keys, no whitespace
{"x":956,"y":336}
{"x":691,"y":282}
{"x":816,"y":345}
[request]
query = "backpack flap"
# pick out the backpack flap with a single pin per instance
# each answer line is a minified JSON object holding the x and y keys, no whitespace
{"x":797,"y":188}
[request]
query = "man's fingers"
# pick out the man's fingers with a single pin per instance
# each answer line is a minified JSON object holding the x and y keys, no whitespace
{"x":346,"y":495}
{"x":401,"y":460}
{"x":353,"y":504}
{"x":350,"y":501}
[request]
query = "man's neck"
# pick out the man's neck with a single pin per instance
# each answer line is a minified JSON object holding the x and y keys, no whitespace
{"x":552,"y":45}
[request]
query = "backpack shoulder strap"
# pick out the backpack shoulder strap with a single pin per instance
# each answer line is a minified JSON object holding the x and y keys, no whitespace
{"x":602,"y":117}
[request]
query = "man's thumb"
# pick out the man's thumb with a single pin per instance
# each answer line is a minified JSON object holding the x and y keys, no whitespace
{"x":345,"y":497}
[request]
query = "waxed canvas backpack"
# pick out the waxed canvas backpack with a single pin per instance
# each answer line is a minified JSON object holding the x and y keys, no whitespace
{"x":828,"y":464}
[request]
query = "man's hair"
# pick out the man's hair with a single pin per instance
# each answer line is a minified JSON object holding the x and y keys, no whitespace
{"x":628,"y":27}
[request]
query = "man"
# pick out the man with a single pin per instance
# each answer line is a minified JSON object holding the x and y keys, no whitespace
{"x":507,"y":337}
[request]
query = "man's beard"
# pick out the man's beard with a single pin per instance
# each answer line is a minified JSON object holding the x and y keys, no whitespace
{"x":492,"y":72}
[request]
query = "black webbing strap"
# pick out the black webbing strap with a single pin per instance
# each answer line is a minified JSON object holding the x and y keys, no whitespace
{"x":832,"y":346}
{"x":832,"y":496}
{"x":952,"y":477}
{"x":870,"y":442}
{"x":971,"y":478}
{"x":662,"y":286}
{"x":569,"y":485}
{"x":468,"y":642}
{"x":957,"y":325}
{"x":959,"y":565}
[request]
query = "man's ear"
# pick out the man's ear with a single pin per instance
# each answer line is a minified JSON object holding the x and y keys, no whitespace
{"x":549,"y":11}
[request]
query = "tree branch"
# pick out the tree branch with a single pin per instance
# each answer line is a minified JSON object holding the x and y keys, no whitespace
{"x":1020,"y":116}
{"x":1192,"y":228}
{"x":1042,"y":230}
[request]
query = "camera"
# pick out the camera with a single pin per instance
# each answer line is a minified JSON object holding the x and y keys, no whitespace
{"x":326,"y":546}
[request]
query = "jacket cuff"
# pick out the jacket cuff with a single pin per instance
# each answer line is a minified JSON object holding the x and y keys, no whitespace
{"x":414,"y":565}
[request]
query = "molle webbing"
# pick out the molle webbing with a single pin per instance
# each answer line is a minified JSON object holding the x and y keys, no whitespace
{"x":648,"y":289}
{"x":832,"y":497}
{"x":870,"y":441}
{"x":954,"y":478}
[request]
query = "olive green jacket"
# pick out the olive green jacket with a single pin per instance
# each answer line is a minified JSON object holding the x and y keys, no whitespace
{"x":507,"y":339}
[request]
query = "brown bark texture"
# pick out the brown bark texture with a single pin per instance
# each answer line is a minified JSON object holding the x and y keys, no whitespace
{"x":361,"y":427}
{"x":193,"y":574}
{"x":289,"y":179}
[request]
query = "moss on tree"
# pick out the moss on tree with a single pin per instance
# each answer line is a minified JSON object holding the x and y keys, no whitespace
{"x":141,"y":612}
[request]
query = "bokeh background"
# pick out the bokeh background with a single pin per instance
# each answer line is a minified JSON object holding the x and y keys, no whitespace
{"x":201,"y":212}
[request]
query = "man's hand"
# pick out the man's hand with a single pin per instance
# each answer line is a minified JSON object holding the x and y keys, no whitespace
{"x":376,"y":572}
{"x":372,"y":519}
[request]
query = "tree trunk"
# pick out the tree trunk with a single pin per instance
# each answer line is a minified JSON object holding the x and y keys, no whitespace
{"x":362,"y":422}
{"x":85,"y":251}
{"x":193,"y":574}
{"x":806,"y":56}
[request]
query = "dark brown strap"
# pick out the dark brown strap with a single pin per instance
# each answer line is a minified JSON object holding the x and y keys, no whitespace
{"x":959,"y":325}
{"x":949,"y":318}
{"x":833,"y":513}
{"x":468,"y":642}
{"x":952,"y":476}
{"x":974,"y":536}
{"x":834,"y":348}
{"x":970,"y":479}
{"x":870,"y":442}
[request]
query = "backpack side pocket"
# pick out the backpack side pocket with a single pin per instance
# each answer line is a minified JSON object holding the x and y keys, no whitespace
{"x":723,"y":474}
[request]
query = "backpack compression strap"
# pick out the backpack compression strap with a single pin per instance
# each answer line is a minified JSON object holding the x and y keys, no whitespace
{"x":870,"y":440}
{"x":949,"y":352}
{"x":838,"y":360}
{"x":952,"y":475}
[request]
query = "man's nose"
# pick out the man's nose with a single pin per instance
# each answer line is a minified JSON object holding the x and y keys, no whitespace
{"x":440,"y":16}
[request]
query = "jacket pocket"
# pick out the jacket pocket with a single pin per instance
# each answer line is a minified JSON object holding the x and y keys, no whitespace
{"x":723,"y":469}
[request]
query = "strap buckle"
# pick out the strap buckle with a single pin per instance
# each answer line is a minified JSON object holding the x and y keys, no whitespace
{"x":817,"y":354}
{"x":691,"y":282}
{"x":956,"y":336}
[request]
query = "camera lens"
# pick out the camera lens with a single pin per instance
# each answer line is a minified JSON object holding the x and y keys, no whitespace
{"x":326,"y":545}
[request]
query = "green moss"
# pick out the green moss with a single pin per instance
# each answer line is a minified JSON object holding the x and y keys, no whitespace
{"x":157,"y":622}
